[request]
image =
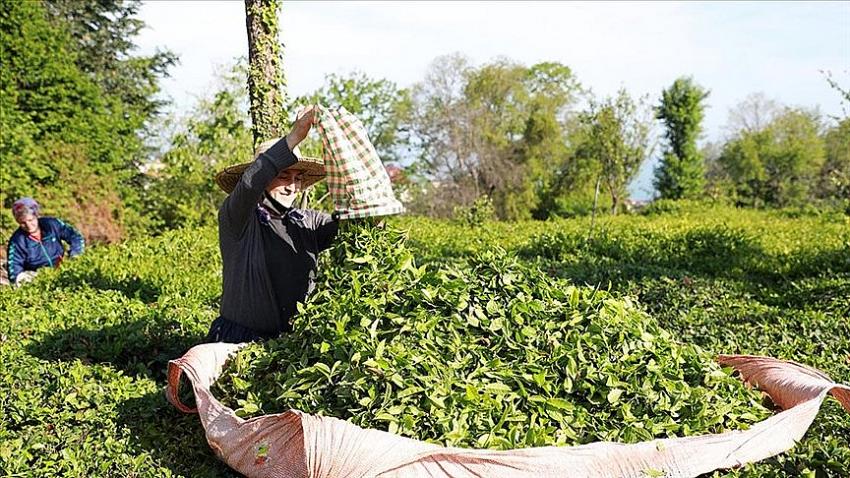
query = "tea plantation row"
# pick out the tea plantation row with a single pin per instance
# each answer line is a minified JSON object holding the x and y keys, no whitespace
{"x":83,"y":349}
{"x":482,"y":351}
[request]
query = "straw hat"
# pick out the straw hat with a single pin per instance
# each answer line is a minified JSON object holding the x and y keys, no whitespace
{"x":313,"y":169}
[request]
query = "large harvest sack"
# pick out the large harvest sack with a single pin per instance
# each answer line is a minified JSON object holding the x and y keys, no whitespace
{"x":357,"y":181}
{"x":296,"y":444}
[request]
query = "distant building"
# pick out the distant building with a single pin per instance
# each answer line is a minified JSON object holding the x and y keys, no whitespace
{"x":635,"y":205}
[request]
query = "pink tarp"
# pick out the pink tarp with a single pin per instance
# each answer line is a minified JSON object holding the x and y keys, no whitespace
{"x":296,"y":444}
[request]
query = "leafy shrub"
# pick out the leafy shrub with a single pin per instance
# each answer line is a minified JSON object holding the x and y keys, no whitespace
{"x":802,"y":320}
{"x":83,"y":351}
{"x":83,"y":348}
{"x":676,"y":206}
{"x":477,"y":213}
{"x":715,"y":250}
{"x":483,"y":352}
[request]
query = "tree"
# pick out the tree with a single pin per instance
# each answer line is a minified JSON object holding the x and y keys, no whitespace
{"x":440,"y":119}
{"x":835,"y":175}
{"x":681,"y":172}
{"x":265,"y":74}
{"x":719,"y":185}
{"x":178,"y":191}
{"x":103,"y":33}
{"x":843,"y":92}
{"x":777,"y":165}
{"x":618,"y":140}
{"x":570,"y":189}
{"x":498,"y":104}
{"x":496,"y":131}
{"x":752,"y":114}
{"x":546,"y":146}
{"x":65,"y":138}
{"x":383,"y":108}
{"x":834,"y":182}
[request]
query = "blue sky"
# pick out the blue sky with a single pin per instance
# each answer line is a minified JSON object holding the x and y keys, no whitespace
{"x":731,"y":48}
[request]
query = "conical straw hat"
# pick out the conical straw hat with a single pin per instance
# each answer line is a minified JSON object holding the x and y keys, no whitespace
{"x":313,"y":169}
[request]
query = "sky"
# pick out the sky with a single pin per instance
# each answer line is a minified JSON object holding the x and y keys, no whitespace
{"x":730,"y":48}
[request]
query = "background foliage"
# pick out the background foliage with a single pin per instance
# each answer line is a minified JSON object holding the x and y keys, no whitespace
{"x":82,"y":131}
{"x":681,"y":173}
{"x":74,"y":106}
{"x":83,"y":349}
{"x":762,"y":268}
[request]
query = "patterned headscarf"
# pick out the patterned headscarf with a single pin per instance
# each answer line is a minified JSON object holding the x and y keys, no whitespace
{"x":25,"y":206}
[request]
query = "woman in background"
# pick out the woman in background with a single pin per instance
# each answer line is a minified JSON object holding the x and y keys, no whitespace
{"x":37,"y":242}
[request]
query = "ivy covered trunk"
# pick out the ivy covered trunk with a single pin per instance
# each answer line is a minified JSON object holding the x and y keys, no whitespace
{"x":265,"y":75}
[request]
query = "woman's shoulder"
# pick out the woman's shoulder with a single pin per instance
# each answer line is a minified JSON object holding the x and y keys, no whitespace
{"x":49,"y":221}
{"x":316,"y":217}
{"x":17,"y":236}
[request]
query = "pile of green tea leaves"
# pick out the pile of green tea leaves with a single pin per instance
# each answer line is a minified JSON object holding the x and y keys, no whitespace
{"x":483,"y":351}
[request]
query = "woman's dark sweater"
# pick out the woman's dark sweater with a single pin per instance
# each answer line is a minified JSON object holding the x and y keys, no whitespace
{"x":269,"y":260}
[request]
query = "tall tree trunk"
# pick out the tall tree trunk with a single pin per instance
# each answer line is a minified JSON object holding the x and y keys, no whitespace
{"x":593,"y":213}
{"x":265,"y":75}
{"x":615,"y":198}
{"x":615,"y":195}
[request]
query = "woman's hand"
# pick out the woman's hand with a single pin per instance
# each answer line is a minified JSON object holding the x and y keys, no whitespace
{"x":301,"y":127}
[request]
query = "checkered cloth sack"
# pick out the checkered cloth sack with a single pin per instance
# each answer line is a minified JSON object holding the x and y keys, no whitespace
{"x":358,"y":183}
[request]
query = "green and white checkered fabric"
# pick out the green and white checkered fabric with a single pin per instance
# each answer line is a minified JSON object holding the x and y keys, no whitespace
{"x":358,"y":183}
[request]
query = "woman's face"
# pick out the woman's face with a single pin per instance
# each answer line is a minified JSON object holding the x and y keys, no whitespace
{"x":285,"y":186}
{"x":28,"y":223}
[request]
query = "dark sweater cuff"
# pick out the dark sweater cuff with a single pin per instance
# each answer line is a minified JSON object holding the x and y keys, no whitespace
{"x":280,"y":155}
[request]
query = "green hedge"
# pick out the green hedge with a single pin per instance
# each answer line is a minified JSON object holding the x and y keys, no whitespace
{"x":83,"y":348}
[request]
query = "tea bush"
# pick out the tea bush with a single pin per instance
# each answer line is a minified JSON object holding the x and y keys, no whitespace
{"x":776,"y":286}
{"x":484,"y":352}
{"x":83,"y":349}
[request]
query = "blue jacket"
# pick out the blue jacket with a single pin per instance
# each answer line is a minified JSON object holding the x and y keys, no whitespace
{"x":27,"y":254}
